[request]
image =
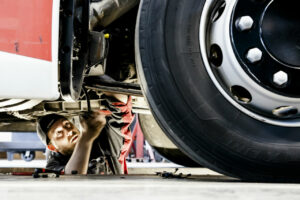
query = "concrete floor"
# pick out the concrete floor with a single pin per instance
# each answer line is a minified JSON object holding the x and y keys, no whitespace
{"x":42,"y":163}
{"x":205,"y":184}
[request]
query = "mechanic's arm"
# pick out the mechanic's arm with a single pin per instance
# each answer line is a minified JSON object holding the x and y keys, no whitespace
{"x":92,"y":125}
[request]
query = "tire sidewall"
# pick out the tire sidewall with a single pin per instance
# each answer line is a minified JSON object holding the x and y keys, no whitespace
{"x":204,"y":124}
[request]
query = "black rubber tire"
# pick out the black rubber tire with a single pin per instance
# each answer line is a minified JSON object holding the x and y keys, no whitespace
{"x":190,"y":109}
{"x":160,"y":142}
{"x":28,"y":158}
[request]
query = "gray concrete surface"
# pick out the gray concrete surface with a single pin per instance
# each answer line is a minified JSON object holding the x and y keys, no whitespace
{"x":208,"y":187}
{"x":42,"y":163}
{"x":142,"y":183}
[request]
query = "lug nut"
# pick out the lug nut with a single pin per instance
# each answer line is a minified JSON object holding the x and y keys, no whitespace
{"x":254,"y":55}
{"x":244,"y":23}
{"x":280,"y":78}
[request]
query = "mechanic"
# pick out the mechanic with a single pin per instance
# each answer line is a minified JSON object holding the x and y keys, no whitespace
{"x":101,"y":146}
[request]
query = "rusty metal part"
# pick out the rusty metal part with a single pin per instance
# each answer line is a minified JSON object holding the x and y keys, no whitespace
{"x":118,"y":90}
{"x":70,"y":109}
{"x":104,"y":12}
{"x":110,"y":85}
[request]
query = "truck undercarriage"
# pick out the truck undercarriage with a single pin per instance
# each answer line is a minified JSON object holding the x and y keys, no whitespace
{"x":217,"y":75}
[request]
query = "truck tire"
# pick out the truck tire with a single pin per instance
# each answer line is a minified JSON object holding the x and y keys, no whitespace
{"x":162,"y":144}
{"x":231,"y":130}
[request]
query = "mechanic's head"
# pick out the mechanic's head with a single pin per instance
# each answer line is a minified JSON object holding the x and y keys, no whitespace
{"x":58,"y":133}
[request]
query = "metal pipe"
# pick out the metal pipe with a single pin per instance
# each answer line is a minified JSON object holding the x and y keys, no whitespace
{"x":104,"y":12}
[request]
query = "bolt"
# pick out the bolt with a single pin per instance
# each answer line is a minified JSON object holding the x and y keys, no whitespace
{"x":244,"y":23}
{"x":280,"y":78}
{"x":254,"y":55}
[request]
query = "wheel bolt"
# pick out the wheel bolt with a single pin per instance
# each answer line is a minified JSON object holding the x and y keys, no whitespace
{"x":244,"y":23}
{"x":254,"y":55}
{"x":280,"y":78}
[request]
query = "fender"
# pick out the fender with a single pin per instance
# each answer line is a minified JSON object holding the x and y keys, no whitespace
{"x":29,"y":32}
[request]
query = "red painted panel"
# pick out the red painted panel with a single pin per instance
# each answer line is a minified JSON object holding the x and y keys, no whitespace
{"x":25,"y":27}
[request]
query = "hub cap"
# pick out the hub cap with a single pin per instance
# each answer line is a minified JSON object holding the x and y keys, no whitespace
{"x":251,"y":52}
{"x":276,"y":34}
{"x":282,"y":39}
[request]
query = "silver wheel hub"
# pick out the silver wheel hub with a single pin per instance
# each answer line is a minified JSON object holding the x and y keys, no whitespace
{"x":230,"y":78}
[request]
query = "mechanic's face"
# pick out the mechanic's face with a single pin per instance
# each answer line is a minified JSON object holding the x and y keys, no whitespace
{"x":63,"y":136}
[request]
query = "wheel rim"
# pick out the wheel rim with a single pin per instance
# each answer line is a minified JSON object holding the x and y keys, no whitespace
{"x":236,"y":60}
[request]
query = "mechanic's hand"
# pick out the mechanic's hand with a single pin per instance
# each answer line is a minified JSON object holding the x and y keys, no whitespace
{"x":92,"y":124}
